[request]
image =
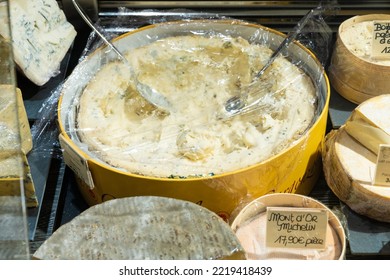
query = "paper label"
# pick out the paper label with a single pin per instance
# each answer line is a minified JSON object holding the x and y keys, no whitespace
{"x":382,"y":171}
{"x":76,"y":162}
{"x":381,"y":40}
{"x":290,"y":227}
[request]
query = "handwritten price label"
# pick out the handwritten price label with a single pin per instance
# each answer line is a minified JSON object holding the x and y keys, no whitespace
{"x":382,"y":171}
{"x":381,"y":40}
{"x":290,"y":227}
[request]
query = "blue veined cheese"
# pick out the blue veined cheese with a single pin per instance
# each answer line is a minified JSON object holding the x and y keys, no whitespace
{"x":41,"y":36}
{"x":197,"y":75}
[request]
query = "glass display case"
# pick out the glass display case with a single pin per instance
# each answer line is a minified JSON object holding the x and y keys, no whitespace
{"x":13,"y":219}
{"x":58,"y":196}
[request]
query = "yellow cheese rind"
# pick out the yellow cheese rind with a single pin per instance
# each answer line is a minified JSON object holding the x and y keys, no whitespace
{"x":15,"y":143}
{"x":18,"y":174}
{"x":146,"y":227}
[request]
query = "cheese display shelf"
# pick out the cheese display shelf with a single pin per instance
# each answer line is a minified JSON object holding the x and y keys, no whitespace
{"x":60,"y":199}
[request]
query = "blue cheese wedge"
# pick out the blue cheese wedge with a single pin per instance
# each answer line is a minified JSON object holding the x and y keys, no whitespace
{"x":41,"y":36}
{"x":143,"y":227}
{"x":15,"y":143}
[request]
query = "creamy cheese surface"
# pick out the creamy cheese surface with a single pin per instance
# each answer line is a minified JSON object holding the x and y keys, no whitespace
{"x":358,"y":39}
{"x":197,"y":75}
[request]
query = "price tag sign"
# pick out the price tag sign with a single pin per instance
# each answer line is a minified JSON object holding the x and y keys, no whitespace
{"x":303,"y":228}
{"x":77,"y":163}
{"x":382,"y":171}
{"x":381,"y":40}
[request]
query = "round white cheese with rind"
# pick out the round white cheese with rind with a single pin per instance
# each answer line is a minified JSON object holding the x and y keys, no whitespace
{"x":143,"y":227}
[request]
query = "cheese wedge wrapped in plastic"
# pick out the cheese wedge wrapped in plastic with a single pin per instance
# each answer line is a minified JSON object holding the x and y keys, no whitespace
{"x":143,"y":227}
{"x":15,"y":143}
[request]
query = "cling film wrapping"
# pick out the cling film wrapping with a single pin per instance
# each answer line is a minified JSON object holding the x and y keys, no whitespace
{"x":197,"y":151}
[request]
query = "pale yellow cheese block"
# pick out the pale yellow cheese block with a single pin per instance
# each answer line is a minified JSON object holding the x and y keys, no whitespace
{"x":15,"y":143}
{"x":350,"y":162}
{"x":143,"y":227}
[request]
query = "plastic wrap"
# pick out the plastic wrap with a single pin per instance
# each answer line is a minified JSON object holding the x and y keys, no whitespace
{"x":288,"y":163}
{"x":250,"y":227}
{"x":41,"y":38}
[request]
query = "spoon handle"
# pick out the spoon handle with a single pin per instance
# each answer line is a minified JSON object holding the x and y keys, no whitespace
{"x":287,"y":41}
{"x":89,"y":22}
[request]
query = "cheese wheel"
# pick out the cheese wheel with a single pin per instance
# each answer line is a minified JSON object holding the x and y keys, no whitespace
{"x":350,"y":164}
{"x":143,"y":227}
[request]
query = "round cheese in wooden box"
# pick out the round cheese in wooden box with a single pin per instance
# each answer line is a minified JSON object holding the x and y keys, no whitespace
{"x":143,"y":228}
{"x":350,"y":159}
{"x":250,"y":226}
{"x":355,"y":71}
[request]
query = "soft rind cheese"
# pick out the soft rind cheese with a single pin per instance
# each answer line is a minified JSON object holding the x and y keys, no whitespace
{"x":148,"y":227}
{"x":350,"y":164}
{"x":252,"y":236}
{"x":41,"y":36}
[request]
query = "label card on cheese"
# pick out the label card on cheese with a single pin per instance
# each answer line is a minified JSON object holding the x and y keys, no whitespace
{"x":381,"y":40}
{"x":78,"y":164}
{"x":382,"y":171}
{"x":300,"y":228}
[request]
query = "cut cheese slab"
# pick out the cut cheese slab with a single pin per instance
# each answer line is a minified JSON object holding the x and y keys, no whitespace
{"x":15,"y":143}
{"x":369,"y":123}
{"x":41,"y":36}
{"x":350,"y":164}
{"x":144,"y":227}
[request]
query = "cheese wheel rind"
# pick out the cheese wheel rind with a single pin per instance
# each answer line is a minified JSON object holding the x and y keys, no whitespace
{"x":143,"y":227}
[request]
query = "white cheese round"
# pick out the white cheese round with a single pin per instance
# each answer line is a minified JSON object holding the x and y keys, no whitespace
{"x":350,"y":160}
{"x":143,"y":227}
{"x":252,"y":236}
{"x":197,"y":75}
{"x":358,"y":38}
{"x":250,"y":226}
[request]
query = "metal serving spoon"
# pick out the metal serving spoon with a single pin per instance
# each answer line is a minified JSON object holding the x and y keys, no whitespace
{"x":148,"y":93}
{"x":239,"y":103}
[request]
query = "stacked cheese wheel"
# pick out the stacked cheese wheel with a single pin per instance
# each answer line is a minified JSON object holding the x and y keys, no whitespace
{"x":350,"y":159}
{"x":143,"y":227}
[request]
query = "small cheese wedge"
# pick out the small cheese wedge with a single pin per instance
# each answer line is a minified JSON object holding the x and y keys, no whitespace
{"x":41,"y":36}
{"x":15,"y":143}
{"x":349,"y":162}
{"x":143,"y":227}
{"x":369,"y":123}
{"x":7,"y":114}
